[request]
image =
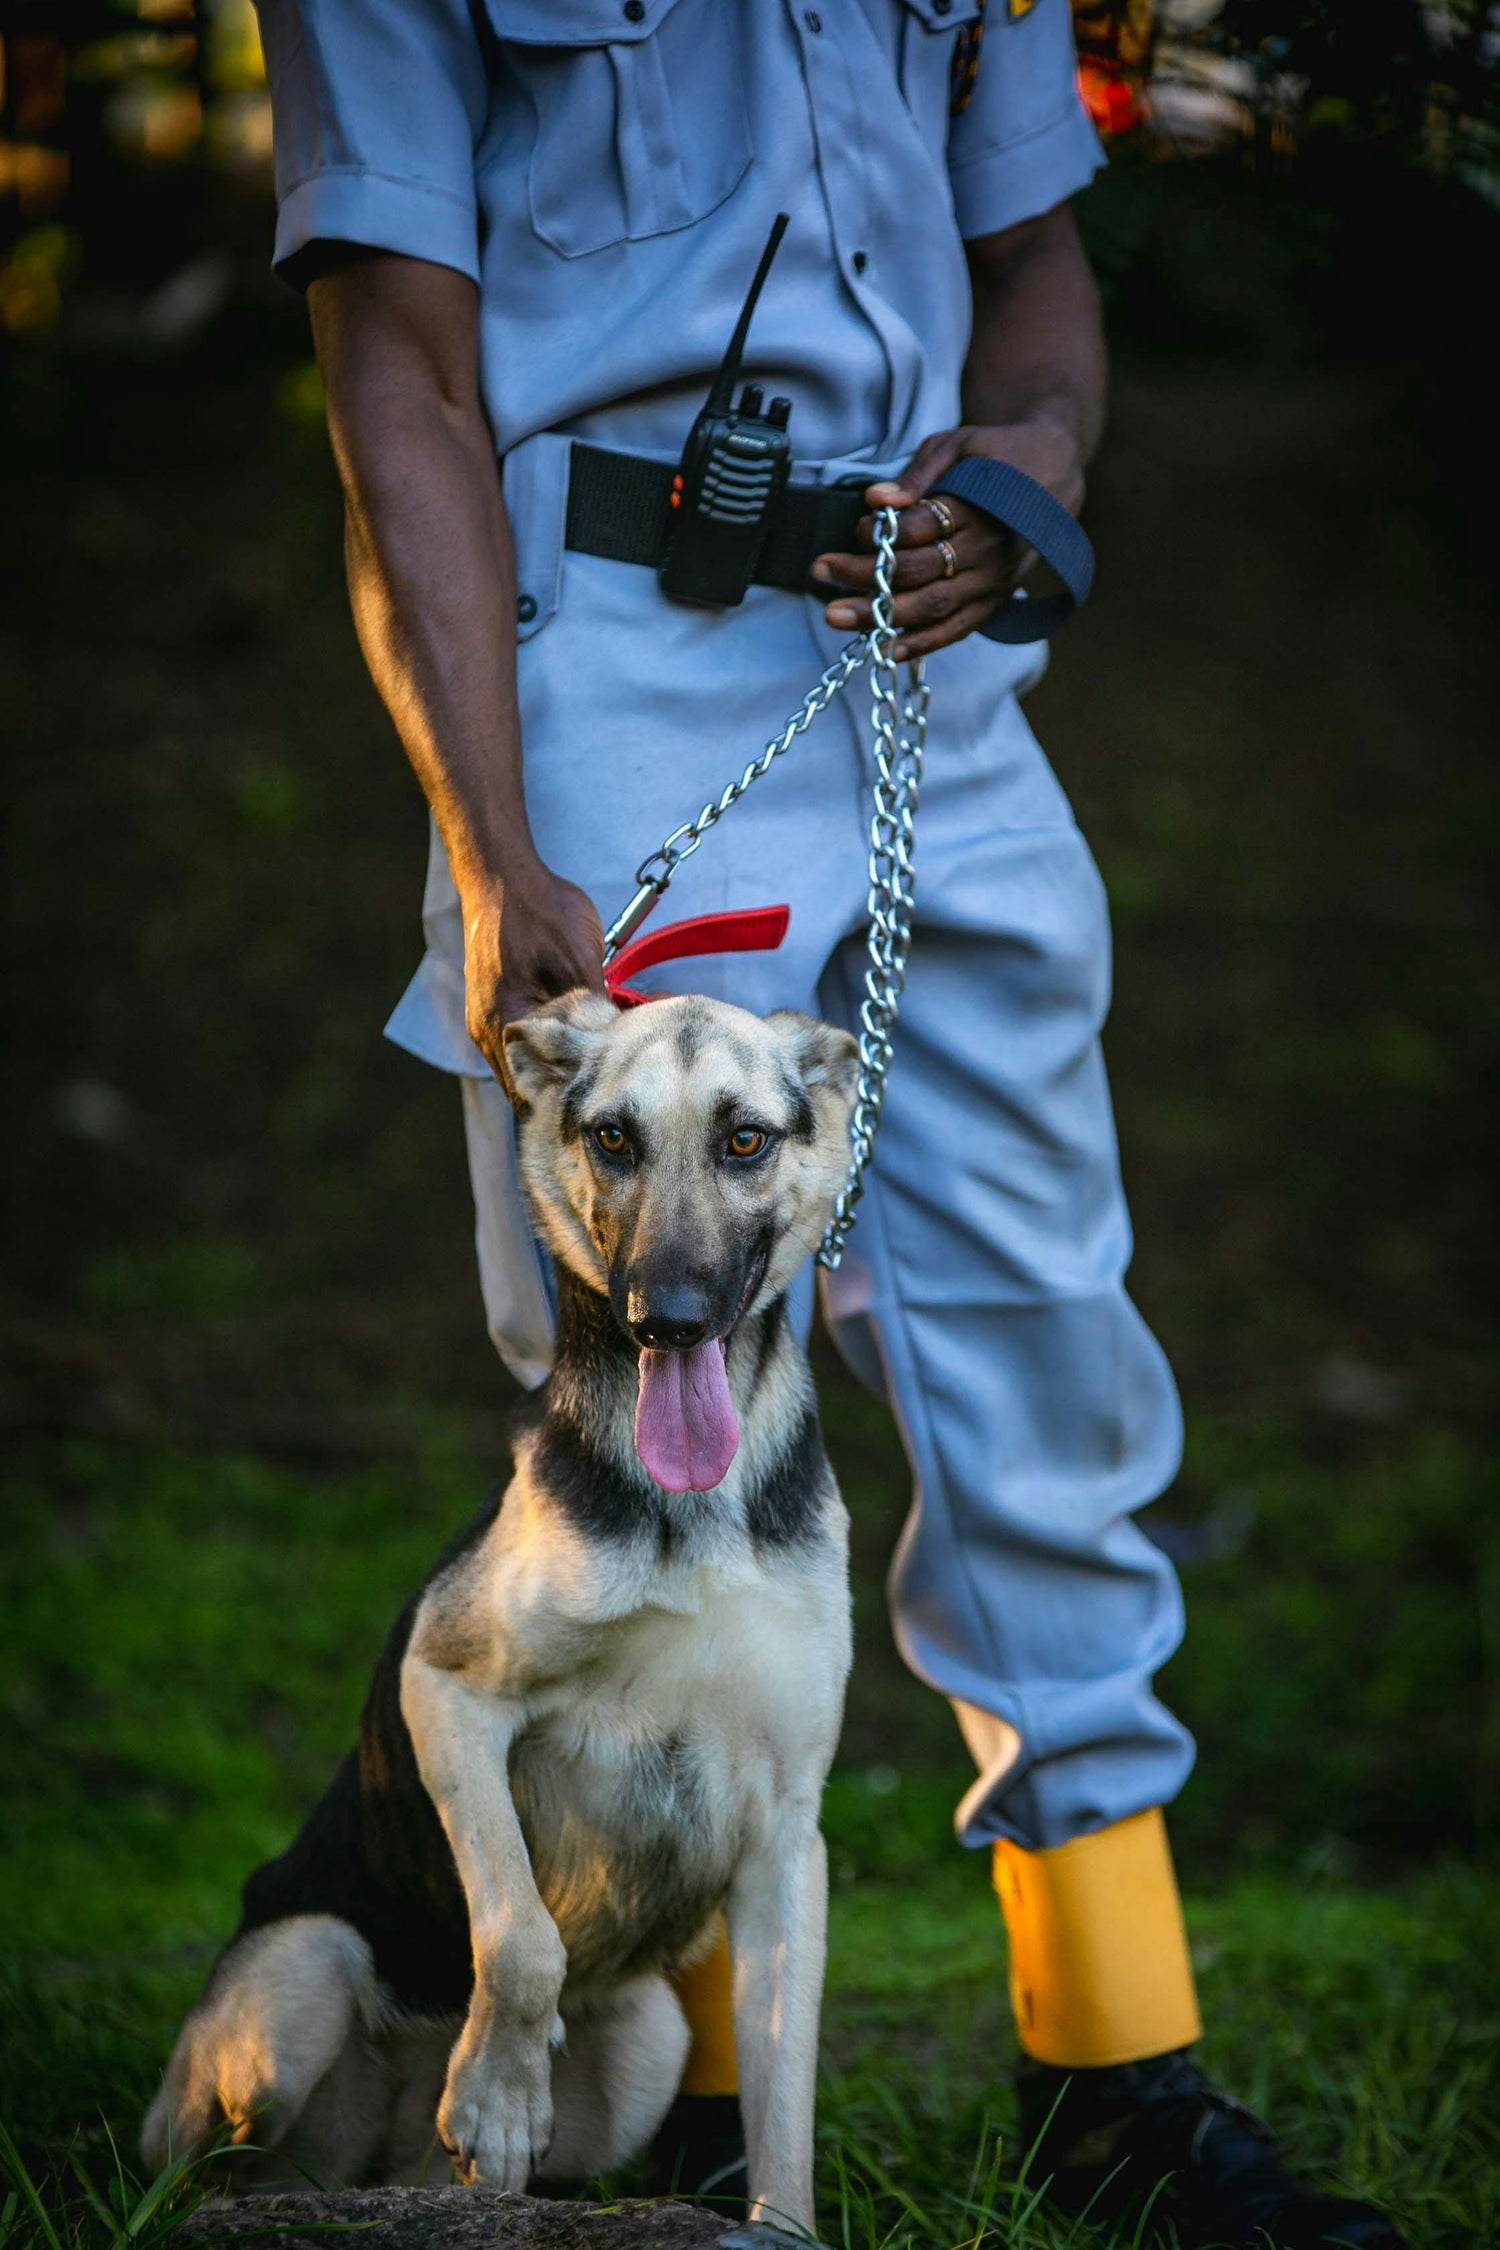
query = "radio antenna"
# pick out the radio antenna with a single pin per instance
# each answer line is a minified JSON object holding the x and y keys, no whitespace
{"x":721,"y":397}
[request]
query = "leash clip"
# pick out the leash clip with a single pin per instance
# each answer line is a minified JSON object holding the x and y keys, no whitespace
{"x":625,"y":924}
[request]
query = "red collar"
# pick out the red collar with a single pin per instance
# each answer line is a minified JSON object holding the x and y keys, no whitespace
{"x":754,"y":929}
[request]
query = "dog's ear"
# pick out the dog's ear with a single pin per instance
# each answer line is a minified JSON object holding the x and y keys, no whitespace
{"x":820,"y":1055}
{"x":551,"y":1047}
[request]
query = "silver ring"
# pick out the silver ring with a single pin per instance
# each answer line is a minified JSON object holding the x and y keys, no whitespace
{"x":942,"y":516}
{"x":950,"y":560}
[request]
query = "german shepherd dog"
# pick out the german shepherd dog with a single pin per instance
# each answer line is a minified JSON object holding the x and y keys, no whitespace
{"x":610,"y":1710}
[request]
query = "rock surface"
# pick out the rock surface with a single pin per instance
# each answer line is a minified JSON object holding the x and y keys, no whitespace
{"x":446,"y":2218}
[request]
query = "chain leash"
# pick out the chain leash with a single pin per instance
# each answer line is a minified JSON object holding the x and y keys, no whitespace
{"x":899,"y":732}
{"x":898,"y":743}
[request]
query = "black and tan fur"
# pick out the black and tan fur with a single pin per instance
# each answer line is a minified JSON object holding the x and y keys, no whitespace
{"x":609,"y":1711}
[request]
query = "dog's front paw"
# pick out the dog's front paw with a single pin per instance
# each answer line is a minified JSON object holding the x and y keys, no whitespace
{"x":495,"y":2117}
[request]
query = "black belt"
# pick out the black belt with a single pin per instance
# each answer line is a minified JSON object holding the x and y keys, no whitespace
{"x":619,"y":507}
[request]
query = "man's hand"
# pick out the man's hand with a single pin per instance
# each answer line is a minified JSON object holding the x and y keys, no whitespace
{"x":1033,"y":395}
{"x":526,"y":940}
{"x":937,"y":604}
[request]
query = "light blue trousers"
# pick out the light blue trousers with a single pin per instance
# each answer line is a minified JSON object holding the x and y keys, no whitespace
{"x":983,"y":1288}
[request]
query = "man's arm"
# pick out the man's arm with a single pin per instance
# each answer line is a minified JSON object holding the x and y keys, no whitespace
{"x":432,"y":579}
{"x":1033,"y":392}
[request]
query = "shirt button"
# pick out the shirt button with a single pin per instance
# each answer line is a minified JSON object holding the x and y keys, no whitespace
{"x":635,"y":11}
{"x":941,"y":7}
{"x":813,"y":21}
{"x":859,"y":261}
{"x":526,"y":606}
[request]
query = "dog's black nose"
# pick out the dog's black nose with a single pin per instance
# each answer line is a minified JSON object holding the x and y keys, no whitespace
{"x":671,"y":1318}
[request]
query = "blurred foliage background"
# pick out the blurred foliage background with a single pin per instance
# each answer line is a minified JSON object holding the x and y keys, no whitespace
{"x":245,"y":1388}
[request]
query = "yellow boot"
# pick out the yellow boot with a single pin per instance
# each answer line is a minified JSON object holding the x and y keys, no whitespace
{"x":1117,"y":2118}
{"x":706,"y":1992}
{"x":1099,"y":1966}
{"x":700,"y":2149}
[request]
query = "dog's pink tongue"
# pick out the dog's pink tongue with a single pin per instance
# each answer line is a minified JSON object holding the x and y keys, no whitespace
{"x":685,"y":1428}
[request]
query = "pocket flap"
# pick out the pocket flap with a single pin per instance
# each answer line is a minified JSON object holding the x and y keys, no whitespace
{"x":578,"y":23}
{"x":535,"y":475}
{"x":947,"y":15}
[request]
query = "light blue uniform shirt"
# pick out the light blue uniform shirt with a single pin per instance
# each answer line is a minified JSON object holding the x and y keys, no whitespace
{"x":607,"y":172}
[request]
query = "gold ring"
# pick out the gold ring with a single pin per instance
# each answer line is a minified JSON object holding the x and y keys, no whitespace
{"x":950,"y":560}
{"x":942,"y":516}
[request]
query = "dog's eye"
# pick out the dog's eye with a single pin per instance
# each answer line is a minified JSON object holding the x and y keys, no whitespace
{"x":612,"y":1140}
{"x":747,"y":1141}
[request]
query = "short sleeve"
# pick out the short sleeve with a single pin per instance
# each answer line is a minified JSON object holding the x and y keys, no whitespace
{"x":376,"y":108}
{"x":1025,"y":142}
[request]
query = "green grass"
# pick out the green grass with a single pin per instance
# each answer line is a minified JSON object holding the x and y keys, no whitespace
{"x":1353,"y":2019}
{"x":187,"y":1647}
{"x":73,"y":2210}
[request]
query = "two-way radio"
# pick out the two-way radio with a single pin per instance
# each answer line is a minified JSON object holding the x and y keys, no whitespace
{"x":731,"y":476}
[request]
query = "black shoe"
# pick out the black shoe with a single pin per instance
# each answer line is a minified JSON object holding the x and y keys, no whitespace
{"x":1102,"y":2140}
{"x":699,"y":2154}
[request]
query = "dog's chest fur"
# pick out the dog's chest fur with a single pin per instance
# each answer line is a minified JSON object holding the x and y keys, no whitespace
{"x":673,"y":1663}
{"x":639,"y":1777}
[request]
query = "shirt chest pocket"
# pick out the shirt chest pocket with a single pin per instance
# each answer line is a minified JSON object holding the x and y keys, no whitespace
{"x":639,"y":108}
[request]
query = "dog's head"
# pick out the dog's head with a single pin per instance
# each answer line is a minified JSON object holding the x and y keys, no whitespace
{"x":682,"y":1159}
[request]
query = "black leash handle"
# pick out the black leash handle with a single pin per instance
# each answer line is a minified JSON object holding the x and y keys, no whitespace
{"x":1029,"y":510}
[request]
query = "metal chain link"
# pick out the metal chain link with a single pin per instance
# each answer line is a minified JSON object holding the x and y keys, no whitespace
{"x":898,"y":753}
{"x":656,"y":871}
{"x":898,"y":780}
